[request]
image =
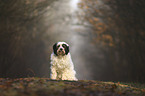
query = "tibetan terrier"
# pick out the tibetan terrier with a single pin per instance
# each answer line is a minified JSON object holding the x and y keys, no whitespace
{"x":62,"y":67}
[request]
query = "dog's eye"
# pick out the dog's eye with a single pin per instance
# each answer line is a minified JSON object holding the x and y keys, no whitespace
{"x":63,"y":45}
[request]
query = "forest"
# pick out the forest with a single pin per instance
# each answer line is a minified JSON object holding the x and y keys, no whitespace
{"x":106,"y":38}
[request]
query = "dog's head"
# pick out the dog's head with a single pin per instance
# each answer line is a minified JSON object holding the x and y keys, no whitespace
{"x":61,"y":48}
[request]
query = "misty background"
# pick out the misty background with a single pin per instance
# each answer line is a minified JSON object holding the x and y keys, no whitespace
{"x":106,"y":38}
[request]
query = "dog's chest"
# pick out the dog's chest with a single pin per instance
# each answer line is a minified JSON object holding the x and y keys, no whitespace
{"x":61,"y":62}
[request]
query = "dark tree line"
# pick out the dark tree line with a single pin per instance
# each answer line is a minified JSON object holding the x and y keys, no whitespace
{"x":22,"y":46}
{"x":119,"y":26}
{"x":130,"y":21}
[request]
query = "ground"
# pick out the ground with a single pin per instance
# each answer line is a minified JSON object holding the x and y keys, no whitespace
{"x":46,"y":87}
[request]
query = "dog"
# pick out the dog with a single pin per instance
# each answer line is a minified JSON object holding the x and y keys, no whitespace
{"x":62,"y":67}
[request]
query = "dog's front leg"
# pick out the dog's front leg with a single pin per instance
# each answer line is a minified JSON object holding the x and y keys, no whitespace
{"x":53,"y":73}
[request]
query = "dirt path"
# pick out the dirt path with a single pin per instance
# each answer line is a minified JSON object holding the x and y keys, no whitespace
{"x":47,"y":87}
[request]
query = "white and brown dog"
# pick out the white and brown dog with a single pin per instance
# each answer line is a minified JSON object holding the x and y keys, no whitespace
{"x":62,"y":67}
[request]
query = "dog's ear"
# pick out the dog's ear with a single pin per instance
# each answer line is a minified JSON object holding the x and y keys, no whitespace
{"x":67,"y":50}
{"x":55,"y":48}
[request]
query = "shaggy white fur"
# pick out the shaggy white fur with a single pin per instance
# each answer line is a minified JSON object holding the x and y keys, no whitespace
{"x":62,"y":67}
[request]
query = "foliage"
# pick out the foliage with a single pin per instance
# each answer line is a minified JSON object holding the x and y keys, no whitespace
{"x":97,"y":16}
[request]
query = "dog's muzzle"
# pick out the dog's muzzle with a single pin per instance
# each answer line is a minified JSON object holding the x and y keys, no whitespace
{"x":61,"y":51}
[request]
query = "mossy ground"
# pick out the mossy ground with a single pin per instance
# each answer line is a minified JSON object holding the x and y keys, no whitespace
{"x":47,"y":87}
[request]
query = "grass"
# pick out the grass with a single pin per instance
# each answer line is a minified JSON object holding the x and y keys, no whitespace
{"x":46,"y":87}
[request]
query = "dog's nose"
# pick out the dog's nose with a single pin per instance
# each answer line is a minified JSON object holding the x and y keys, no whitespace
{"x":61,"y":49}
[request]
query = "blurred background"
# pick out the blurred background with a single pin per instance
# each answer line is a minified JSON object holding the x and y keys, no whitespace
{"x":106,"y":37}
